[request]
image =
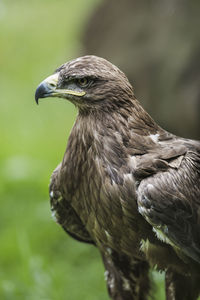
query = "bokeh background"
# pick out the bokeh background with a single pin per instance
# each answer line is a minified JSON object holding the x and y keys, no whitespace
{"x":156,"y":43}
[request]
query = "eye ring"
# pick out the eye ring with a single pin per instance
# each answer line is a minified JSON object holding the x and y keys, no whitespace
{"x":83,"y":82}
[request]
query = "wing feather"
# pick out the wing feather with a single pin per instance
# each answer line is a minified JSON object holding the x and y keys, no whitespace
{"x":170,"y":201}
{"x":64,"y":213}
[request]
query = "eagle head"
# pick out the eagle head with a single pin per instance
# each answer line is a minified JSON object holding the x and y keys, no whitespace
{"x":89,"y":82}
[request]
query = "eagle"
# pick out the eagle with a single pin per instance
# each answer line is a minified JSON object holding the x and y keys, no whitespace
{"x":126,"y":185}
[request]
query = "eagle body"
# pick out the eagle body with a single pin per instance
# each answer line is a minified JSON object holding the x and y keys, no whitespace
{"x":126,"y":185}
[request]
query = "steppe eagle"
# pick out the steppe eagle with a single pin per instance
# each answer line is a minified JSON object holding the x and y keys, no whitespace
{"x":125,"y":184}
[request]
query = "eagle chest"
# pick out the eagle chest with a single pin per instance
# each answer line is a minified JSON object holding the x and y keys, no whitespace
{"x":110,"y":215}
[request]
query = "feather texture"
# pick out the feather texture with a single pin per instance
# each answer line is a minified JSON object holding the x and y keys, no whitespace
{"x":126,"y":185}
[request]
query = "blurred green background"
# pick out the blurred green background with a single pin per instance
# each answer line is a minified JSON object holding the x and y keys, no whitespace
{"x":37,"y":259}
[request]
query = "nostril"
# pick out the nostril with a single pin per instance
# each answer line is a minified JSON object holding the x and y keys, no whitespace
{"x":52,"y":85}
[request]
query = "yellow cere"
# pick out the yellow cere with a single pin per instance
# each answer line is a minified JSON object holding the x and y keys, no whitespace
{"x":69,"y":92}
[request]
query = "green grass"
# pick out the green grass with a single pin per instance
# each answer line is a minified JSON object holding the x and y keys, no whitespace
{"x":37,"y":259}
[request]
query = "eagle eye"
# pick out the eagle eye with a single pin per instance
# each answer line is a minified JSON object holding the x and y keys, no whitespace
{"x":83,"y":82}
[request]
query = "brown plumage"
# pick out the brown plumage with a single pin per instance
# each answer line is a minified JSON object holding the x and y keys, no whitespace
{"x":125,"y":184}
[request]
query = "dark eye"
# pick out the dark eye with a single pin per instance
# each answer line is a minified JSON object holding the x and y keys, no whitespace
{"x":83,"y":82}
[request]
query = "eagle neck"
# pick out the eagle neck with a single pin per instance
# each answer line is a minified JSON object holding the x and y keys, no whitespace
{"x":105,"y":141}
{"x":125,"y":115}
{"x":111,"y":134}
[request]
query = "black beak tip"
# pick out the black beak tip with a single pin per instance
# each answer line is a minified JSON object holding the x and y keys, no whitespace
{"x":36,"y":100}
{"x":38,"y":93}
{"x":41,"y":92}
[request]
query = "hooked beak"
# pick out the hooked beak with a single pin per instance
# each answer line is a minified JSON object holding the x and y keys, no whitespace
{"x":48,"y":88}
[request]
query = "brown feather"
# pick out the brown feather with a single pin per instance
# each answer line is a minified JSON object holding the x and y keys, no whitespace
{"x":127,"y":185}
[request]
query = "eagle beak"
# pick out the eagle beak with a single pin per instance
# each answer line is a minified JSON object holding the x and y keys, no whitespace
{"x":48,"y":88}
